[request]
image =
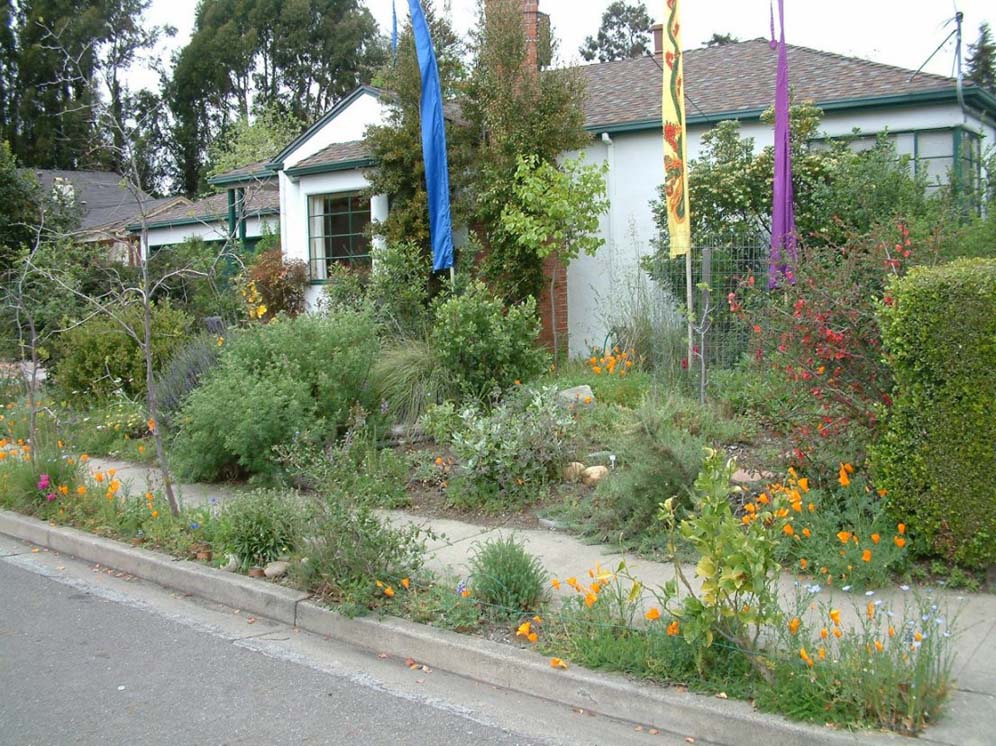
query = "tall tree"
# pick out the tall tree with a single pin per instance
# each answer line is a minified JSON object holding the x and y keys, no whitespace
{"x":8,"y":65}
{"x":981,"y":61}
{"x":624,"y":33}
{"x":246,"y":56}
{"x":518,"y":112}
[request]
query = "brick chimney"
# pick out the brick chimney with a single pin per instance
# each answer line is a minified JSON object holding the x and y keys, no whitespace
{"x":658,"y":31}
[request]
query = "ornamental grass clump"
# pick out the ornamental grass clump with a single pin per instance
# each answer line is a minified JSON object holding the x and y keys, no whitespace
{"x":260,"y":526}
{"x":506,"y":579}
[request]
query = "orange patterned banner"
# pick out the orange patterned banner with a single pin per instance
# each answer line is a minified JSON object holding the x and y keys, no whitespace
{"x":675,"y":149}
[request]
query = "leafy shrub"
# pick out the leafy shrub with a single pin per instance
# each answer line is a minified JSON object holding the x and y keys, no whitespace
{"x":505,"y":577}
{"x":275,"y":286}
{"x":409,"y":377}
{"x":508,"y":455}
{"x":936,"y":458}
{"x":260,"y":526}
{"x":481,"y":346}
{"x":355,"y":467}
{"x":345,"y":287}
{"x":350,"y":550}
{"x":820,"y":336}
{"x":658,"y":455}
{"x":290,"y":381}
{"x":197,"y":279}
{"x":184,"y":372}
{"x":98,"y":357}
{"x":36,"y":487}
{"x":399,"y":287}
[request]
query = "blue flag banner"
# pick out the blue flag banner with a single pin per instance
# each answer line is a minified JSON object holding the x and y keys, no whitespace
{"x":437,"y":175}
{"x":394,"y":30}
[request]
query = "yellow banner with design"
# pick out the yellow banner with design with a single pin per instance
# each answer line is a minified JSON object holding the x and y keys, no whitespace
{"x":675,"y":149}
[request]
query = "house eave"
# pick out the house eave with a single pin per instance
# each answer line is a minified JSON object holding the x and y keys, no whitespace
{"x":324,"y":168}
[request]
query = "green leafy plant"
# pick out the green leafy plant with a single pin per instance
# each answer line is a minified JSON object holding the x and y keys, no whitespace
{"x":260,"y":526}
{"x":936,"y":458}
{"x":482,"y":345}
{"x":99,"y":357}
{"x":290,"y":381}
{"x":274,"y":285}
{"x":410,"y":378}
{"x":506,"y":578}
{"x":506,"y":456}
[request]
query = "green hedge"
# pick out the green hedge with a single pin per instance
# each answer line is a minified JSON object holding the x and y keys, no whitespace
{"x":937,"y":458}
{"x":98,"y":357}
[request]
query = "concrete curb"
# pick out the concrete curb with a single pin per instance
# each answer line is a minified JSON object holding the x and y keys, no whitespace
{"x":712,"y":719}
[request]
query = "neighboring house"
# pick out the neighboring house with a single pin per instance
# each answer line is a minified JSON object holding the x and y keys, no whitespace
{"x":324,"y":209}
{"x":245,"y":211}
{"x":106,"y":206}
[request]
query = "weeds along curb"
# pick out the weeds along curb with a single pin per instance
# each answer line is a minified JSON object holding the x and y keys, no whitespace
{"x":708,"y":718}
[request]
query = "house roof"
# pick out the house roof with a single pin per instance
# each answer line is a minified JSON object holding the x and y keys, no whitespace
{"x":244,"y":174}
{"x":262,"y":201}
{"x":335,"y":157}
{"x":104,"y":199}
{"x":737,"y":80}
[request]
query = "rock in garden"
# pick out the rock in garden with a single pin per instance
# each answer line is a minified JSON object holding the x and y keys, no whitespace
{"x":593,"y":475}
{"x":742,"y":476}
{"x":580,"y":396}
{"x":276,"y":569}
{"x":573,"y":471}
{"x":231,"y":564}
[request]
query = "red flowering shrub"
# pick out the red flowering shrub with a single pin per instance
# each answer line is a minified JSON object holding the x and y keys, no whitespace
{"x":817,"y":333}
{"x":274,"y":285}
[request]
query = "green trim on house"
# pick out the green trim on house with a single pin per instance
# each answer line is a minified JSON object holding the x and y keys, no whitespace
{"x":985,"y":103}
{"x":325,"y":168}
{"x":264,"y":173}
{"x":201,"y":220}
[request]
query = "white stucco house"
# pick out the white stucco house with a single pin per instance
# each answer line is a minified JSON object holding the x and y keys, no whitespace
{"x":317,"y":184}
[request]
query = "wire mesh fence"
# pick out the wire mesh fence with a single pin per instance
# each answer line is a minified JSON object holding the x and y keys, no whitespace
{"x":718,"y":267}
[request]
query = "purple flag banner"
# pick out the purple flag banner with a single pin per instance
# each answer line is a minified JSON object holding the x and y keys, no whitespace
{"x":783,"y":246}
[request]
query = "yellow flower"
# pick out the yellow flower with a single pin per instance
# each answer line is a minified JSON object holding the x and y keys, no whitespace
{"x":870,"y":610}
{"x":389,"y":592}
{"x":99,"y":476}
{"x":835,"y":617}
{"x":879,"y":646}
{"x":532,"y":637}
{"x":590,"y":599}
{"x":558,"y":663}
{"x":901,"y":528}
{"x":805,"y":656}
{"x":837,"y":633}
{"x":652,"y":614}
{"x":673,"y":628}
{"x":524,"y":629}
{"x":807,"y":533}
{"x":804,"y":563}
{"x":81,"y":490}
{"x":824,"y":633}
{"x":555,"y":583}
{"x":406,"y":583}
{"x":804,"y":484}
{"x":866,"y":556}
{"x":793,"y":625}
{"x":787,"y":528}
{"x":875,"y":538}
{"x":892,"y":631}
{"x":155,"y":513}
{"x":899,"y":541}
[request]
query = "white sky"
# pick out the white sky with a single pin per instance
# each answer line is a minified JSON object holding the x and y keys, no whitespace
{"x":897,"y":32}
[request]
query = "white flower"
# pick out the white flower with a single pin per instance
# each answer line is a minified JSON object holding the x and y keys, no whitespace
{"x":869,"y":593}
{"x":904,"y":588}
{"x":846,"y":588}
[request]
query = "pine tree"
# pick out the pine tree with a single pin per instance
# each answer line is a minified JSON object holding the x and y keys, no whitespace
{"x":624,"y":33}
{"x":981,"y":61}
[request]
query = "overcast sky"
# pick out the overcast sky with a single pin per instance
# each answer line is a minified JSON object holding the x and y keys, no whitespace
{"x":897,"y":32}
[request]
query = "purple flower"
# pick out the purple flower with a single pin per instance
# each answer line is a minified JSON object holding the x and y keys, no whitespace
{"x":50,"y":496}
{"x":43,"y":482}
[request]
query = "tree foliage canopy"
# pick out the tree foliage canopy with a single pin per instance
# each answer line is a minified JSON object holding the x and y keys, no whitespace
{"x":624,"y":34}
{"x":981,"y":60}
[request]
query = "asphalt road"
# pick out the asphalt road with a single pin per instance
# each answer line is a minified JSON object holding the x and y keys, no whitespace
{"x":88,"y":656}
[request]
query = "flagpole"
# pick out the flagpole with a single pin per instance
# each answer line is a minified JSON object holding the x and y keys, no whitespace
{"x":690,"y":300}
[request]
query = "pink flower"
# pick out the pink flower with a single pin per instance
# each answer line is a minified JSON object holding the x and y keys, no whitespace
{"x":43,"y":482}
{"x":50,"y":496}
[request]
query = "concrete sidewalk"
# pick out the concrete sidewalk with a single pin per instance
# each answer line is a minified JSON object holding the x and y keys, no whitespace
{"x":970,"y":718}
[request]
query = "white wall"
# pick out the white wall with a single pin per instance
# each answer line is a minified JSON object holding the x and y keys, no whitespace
{"x":349,"y":125}
{"x":210,"y":230}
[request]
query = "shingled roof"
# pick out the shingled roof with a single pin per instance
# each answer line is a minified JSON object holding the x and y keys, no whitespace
{"x":346,"y":154}
{"x":739,"y":79}
{"x":262,"y":201}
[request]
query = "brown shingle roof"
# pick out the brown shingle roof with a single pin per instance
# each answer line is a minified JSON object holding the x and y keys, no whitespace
{"x":264,"y":199}
{"x":336,"y":153}
{"x":735,"y":78}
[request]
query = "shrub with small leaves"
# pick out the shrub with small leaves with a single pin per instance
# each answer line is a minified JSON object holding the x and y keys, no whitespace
{"x":506,"y":578}
{"x":257,"y":527}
